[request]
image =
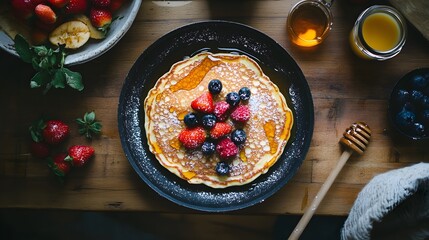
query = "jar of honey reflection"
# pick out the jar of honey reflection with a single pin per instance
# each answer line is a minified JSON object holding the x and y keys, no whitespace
{"x":309,"y":22}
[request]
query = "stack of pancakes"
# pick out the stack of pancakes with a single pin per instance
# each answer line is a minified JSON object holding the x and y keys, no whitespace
{"x":268,"y":129}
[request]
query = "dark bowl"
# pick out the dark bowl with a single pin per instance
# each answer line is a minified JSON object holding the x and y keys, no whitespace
{"x":214,"y":36}
{"x":409,"y":105}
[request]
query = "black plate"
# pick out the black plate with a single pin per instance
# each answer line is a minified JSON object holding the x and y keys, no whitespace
{"x":215,"y":36}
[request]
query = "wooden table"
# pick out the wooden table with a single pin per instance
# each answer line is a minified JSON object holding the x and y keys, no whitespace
{"x":344,"y":88}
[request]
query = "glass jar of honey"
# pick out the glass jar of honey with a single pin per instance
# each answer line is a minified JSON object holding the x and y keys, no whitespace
{"x":379,"y":33}
{"x":309,"y":22}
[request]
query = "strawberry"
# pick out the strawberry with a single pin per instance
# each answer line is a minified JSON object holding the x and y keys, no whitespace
{"x":52,"y":131}
{"x":203,"y":103}
{"x":79,"y":155}
{"x":58,"y":3}
{"x":226,"y":148}
{"x":59,"y":165}
{"x":24,"y":9}
{"x":39,"y":149}
{"x":192,"y":138}
{"x":76,"y":6}
{"x":100,"y":3}
{"x":45,"y":14}
{"x":221,"y":110}
{"x":220,"y":129}
{"x":241,"y":114}
{"x":100,"y":18}
{"x":115,"y":5}
{"x":55,"y":131}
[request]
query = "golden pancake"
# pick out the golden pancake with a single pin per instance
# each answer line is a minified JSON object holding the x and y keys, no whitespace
{"x":267,"y":130}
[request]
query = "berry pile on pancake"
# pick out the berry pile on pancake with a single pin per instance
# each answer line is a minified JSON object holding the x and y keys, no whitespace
{"x":217,"y":119}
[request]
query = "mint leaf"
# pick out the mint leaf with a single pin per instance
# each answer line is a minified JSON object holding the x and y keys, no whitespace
{"x":41,"y":51}
{"x":39,"y":79}
{"x":88,"y":125}
{"x":73,"y":79}
{"x":59,"y":79}
{"x":89,"y":117}
{"x":49,"y":64}
{"x":23,"y":49}
{"x":44,"y":63}
{"x":36,"y":129}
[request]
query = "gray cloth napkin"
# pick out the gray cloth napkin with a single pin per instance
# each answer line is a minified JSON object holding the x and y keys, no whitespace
{"x":393,"y":205}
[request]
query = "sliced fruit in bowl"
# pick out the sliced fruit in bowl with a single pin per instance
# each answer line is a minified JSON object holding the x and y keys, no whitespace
{"x":72,"y":34}
{"x":57,"y":20}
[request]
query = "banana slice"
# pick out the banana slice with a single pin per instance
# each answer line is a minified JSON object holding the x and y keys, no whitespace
{"x":73,"y":34}
{"x":94,"y":32}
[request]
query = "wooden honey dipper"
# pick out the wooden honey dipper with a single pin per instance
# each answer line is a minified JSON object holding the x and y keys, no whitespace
{"x":355,"y":139}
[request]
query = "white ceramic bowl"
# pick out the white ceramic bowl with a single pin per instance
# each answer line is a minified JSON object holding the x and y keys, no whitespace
{"x":94,"y":48}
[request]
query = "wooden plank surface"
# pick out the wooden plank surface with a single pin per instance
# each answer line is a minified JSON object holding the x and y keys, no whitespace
{"x":344,"y":88}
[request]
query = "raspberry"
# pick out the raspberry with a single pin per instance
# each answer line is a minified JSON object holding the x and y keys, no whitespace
{"x":241,"y":114}
{"x":226,"y":148}
{"x":221,"y":110}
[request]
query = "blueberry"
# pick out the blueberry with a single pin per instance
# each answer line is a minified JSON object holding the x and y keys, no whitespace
{"x":191,"y":120}
{"x":409,"y":106}
{"x":405,"y":119}
{"x":208,"y":121}
{"x":238,"y":136}
{"x":208,"y":148}
{"x":425,"y":102}
{"x":244,"y":93}
{"x":416,"y":96}
{"x":425,"y":117}
{"x":419,"y":82}
{"x":222,"y":168}
{"x":418,"y":129}
{"x":233,"y":99}
{"x":402,"y":96}
{"x":215,"y":86}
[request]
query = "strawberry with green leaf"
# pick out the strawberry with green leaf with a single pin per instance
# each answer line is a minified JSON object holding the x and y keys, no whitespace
{"x":59,"y":166}
{"x":79,"y":155}
{"x":88,"y":125}
{"x":52,"y":132}
{"x":101,"y":18}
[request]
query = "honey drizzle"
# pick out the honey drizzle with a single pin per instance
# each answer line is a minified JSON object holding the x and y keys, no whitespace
{"x":182,"y":115}
{"x":243,"y":156}
{"x":189,"y":175}
{"x":195,"y":76}
{"x":270,"y":128}
{"x":287,"y":127}
{"x":175,"y":143}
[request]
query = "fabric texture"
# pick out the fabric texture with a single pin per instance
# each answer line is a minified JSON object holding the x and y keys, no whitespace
{"x":393,"y":205}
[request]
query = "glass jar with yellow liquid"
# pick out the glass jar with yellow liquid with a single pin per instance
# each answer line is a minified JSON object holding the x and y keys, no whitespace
{"x":379,"y":33}
{"x":309,"y":22}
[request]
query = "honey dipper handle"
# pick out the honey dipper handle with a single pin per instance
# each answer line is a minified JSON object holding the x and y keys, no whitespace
{"x":320,"y":195}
